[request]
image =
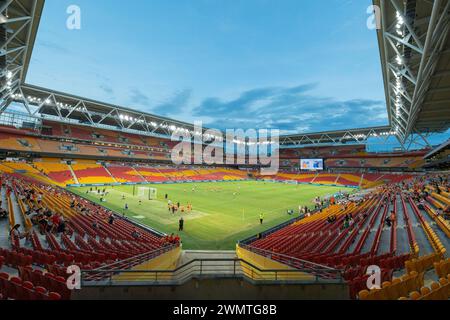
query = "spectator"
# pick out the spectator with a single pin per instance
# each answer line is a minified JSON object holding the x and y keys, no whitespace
{"x":388,"y":221}
{"x":3,"y":213}
{"x":135,"y":234}
{"x":61,"y":226}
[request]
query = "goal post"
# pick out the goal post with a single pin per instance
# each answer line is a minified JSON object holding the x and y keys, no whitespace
{"x":295,"y":182}
{"x":147,"y":193}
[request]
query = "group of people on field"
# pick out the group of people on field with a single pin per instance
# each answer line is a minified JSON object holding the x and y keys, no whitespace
{"x":178,"y":207}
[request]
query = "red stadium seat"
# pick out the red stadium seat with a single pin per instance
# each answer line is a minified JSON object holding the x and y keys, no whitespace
{"x":41,"y":293}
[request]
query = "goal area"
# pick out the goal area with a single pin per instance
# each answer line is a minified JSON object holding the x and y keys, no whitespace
{"x":145,"y":193}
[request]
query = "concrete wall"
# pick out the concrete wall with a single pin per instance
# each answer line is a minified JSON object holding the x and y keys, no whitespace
{"x":217,"y":289}
{"x":264,"y":263}
{"x":166,"y":261}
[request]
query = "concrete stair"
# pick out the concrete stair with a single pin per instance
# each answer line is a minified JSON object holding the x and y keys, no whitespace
{"x":74,"y":176}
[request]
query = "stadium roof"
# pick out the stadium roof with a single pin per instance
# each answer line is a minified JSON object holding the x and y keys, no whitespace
{"x":442,"y":148}
{"x":415,"y":54}
{"x":19,"y":22}
{"x":65,"y":107}
{"x":359,"y":136}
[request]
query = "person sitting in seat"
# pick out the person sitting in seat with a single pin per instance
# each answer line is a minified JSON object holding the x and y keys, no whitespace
{"x":350,"y":223}
{"x":61,"y":226}
{"x":42,"y":223}
{"x":346,"y":224}
{"x":55,"y":219}
{"x":392,"y":217}
{"x":135,"y":234}
{"x":331,"y":219}
{"x":111,"y":219}
{"x":16,"y":232}
{"x":388,"y":221}
{"x":3,"y":213}
{"x":447,"y":213}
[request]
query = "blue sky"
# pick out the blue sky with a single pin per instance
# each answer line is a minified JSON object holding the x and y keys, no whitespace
{"x":294,"y":65}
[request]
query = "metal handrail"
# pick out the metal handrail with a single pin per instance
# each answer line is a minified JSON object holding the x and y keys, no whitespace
{"x":219,"y":268}
{"x":132,"y":261}
{"x":140,"y":258}
{"x":269,"y":254}
{"x":271,"y":230}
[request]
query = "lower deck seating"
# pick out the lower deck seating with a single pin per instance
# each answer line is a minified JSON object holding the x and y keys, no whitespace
{"x":57,"y":171}
{"x":411,"y":286}
{"x":90,"y":173}
{"x":343,"y":179}
{"x":18,"y":288}
{"x":348,"y":235}
{"x":125,"y":174}
{"x":76,"y":232}
{"x":157,"y":174}
{"x":26,"y":169}
{"x":355,"y":234}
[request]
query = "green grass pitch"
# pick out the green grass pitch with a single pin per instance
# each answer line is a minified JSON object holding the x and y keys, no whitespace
{"x":223,"y":212}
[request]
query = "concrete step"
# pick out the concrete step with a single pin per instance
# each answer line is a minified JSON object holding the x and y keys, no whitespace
{"x":189,"y":255}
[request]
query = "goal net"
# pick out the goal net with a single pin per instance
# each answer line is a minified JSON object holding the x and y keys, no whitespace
{"x":147,"y":193}
{"x":291,"y":182}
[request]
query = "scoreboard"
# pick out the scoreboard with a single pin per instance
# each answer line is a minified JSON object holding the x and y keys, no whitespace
{"x":311,"y":164}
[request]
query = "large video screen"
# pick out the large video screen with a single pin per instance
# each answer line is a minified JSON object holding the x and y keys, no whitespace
{"x":311,"y":164}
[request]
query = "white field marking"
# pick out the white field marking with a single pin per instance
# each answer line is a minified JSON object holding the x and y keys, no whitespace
{"x":203,"y":212}
{"x":274,"y":211}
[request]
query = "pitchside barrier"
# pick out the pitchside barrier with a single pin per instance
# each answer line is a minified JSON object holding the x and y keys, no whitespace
{"x":272,"y":230}
{"x":147,"y":183}
{"x":203,"y":181}
{"x":308,"y":183}
{"x":119,"y":275}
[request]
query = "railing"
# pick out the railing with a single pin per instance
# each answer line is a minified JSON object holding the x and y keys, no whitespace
{"x":264,"y":234}
{"x":271,"y":230}
{"x":203,"y":269}
{"x":117,"y":214}
{"x":319,"y":270}
{"x":113,"y":268}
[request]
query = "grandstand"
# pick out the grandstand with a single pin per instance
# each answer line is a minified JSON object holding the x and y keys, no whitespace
{"x":438,"y":158}
{"x":75,"y":178}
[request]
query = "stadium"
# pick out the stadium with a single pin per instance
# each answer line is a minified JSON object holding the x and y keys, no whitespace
{"x":100,"y":201}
